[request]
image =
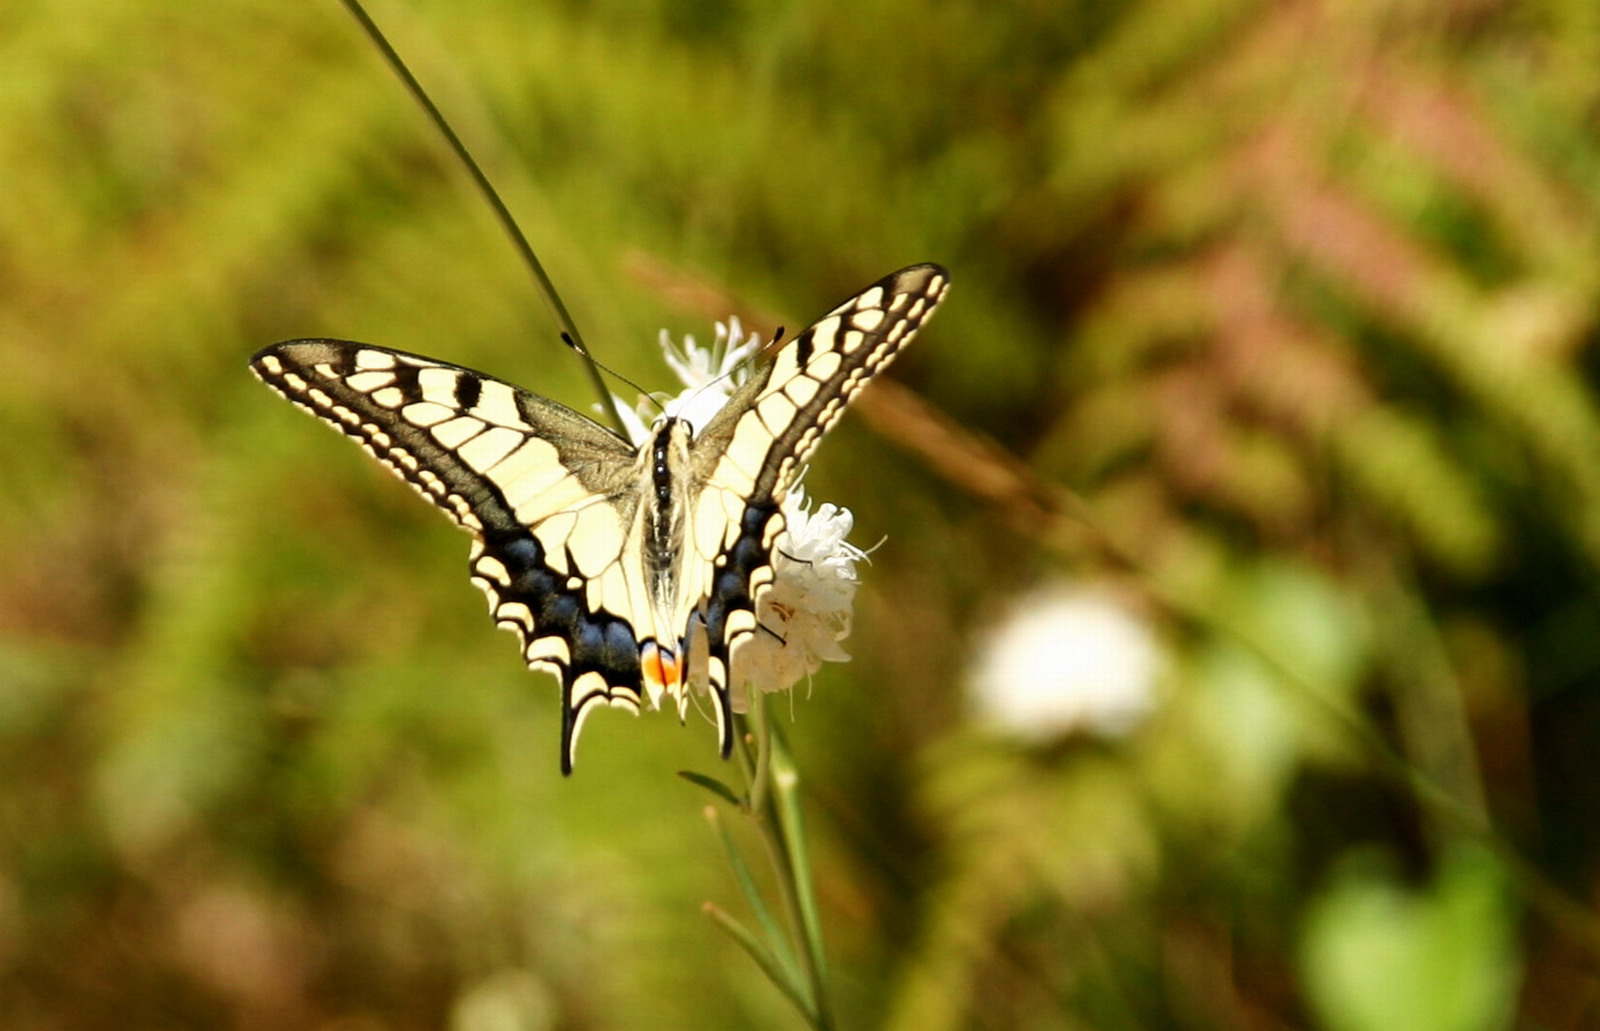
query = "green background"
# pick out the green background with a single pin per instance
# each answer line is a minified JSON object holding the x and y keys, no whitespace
{"x":1277,"y":318}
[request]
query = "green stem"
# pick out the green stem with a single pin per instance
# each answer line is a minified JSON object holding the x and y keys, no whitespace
{"x":761,"y":775}
{"x":502,"y":214}
{"x":797,"y":863}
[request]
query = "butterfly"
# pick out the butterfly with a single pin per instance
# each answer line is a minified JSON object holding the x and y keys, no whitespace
{"x":612,"y":563}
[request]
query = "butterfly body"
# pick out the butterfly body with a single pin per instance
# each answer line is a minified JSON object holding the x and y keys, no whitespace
{"x":621,"y":568}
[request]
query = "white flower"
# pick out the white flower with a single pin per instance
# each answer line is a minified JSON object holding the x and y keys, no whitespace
{"x":806,"y":612}
{"x":1069,"y":658}
{"x":725,"y":358}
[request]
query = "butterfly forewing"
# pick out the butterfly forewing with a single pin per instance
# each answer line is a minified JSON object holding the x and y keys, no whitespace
{"x":553,"y":500}
{"x":775,"y":420}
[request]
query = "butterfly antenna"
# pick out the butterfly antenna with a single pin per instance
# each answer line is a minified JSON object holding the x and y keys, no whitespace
{"x":502,"y":214}
{"x":608,"y":370}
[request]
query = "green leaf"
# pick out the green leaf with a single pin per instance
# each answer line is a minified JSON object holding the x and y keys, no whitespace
{"x":713,"y":785}
{"x":752,"y":894}
{"x":1378,"y":955}
{"x":765,"y":960}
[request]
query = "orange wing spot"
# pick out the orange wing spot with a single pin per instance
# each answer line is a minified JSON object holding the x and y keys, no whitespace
{"x":662,"y":670}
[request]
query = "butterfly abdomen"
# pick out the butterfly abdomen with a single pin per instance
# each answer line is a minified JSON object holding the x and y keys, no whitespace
{"x":662,"y":527}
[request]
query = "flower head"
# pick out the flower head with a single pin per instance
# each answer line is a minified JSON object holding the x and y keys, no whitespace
{"x":806,"y":612}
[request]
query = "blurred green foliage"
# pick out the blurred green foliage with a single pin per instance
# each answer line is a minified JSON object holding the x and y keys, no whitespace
{"x":1296,"y":299}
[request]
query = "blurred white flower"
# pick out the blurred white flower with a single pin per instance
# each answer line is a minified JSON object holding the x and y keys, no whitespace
{"x":807,"y":611}
{"x":1068,"y":658}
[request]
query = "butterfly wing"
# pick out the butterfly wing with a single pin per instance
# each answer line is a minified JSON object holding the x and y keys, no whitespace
{"x":750,"y":452}
{"x":547,"y":494}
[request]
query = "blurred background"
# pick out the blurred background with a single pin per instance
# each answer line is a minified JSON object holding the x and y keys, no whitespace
{"x":1231,"y":658}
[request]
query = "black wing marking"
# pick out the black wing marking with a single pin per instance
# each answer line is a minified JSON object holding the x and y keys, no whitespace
{"x":755,"y":446}
{"x":545,"y":492}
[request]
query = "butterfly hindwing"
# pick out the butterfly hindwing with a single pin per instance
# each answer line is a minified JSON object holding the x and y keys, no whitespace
{"x":592,"y":650}
{"x":544,"y":491}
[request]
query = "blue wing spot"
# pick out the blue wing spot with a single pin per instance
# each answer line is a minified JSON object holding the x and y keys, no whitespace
{"x":619,"y":648}
{"x":600,"y":641}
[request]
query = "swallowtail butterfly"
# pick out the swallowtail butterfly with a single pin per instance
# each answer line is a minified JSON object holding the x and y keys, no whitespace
{"x":611,"y":562}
